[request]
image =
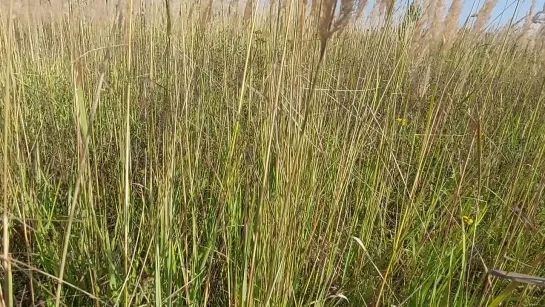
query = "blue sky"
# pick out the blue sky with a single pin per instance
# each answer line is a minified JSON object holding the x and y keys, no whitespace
{"x":505,"y":9}
{"x":502,"y":13}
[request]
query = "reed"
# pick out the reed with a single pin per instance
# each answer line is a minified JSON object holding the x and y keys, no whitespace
{"x":288,"y":153}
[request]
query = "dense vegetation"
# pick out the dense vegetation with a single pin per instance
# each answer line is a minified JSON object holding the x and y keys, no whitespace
{"x":286,"y":154}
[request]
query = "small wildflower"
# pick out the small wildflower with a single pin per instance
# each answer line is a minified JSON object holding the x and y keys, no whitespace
{"x":401,"y":121}
{"x":468,"y":220}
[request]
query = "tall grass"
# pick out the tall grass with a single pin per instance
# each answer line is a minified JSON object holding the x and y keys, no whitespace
{"x":283,"y":154}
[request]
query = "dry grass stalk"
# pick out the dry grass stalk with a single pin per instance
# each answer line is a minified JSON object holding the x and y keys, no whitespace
{"x":451,"y":23}
{"x":302,"y":10}
{"x":425,"y":83}
{"x":484,"y":15}
{"x":248,"y":10}
{"x":206,"y":13}
{"x":539,"y":38}
{"x":143,"y":11}
{"x":194,"y":7}
{"x":272,"y":3}
{"x":233,"y":5}
{"x":7,"y":285}
{"x":168,"y":15}
{"x":315,"y":7}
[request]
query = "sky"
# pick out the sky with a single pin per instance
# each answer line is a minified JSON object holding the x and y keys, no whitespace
{"x":504,"y":9}
{"x":502,"y":13}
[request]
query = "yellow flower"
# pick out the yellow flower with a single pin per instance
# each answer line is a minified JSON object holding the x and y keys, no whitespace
{"x":401,"y":121}
{"x":468,"y":220}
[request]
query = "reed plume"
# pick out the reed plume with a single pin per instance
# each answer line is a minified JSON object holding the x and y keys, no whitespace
{"x":523,"y":39}
{"x":327,"y":26}
{"x":418,"y":41}
{"x":451,"y":23}
{"x":484,"y":15}
{"x":437,"y":24}
{"x":248,"y":10}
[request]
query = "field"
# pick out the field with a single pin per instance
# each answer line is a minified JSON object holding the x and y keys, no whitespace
{"x":270,"y":153}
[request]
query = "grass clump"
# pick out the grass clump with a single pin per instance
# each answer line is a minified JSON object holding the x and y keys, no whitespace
{"x":291,"y":153}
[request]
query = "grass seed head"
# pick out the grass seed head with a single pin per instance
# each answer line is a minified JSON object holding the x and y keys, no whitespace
{"x":328,"y":24}
{"x":484,"y":15}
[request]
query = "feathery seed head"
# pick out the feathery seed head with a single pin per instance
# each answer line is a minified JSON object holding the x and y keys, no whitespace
{"x":328,"y":24}
{"x":484,"y":15}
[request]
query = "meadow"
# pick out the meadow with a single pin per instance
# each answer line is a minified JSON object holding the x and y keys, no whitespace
{"x":277,"y":153}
